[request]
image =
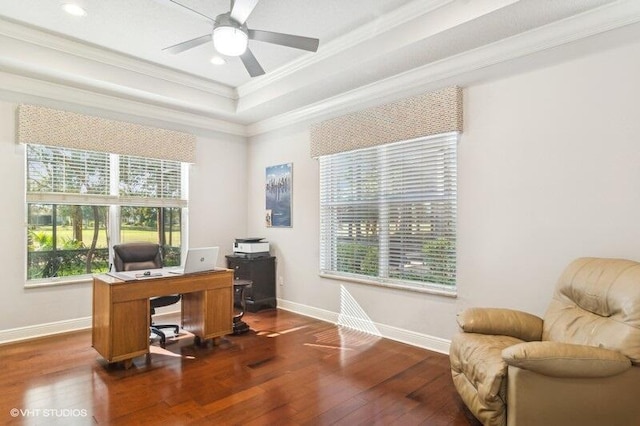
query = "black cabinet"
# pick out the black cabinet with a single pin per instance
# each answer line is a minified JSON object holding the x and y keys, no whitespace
{"x":260,"y":270}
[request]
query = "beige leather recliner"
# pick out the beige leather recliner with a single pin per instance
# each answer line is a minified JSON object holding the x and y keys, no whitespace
{"x":580,"y":365}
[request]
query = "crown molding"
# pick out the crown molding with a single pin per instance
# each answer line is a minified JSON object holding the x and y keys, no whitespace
{"x":89,"y":83}
{"x":198,"y":111}
{"x":389,"y":21}
{"x":29,"y":34}
{"x":571,"y":29}
{"x":22,"y":87}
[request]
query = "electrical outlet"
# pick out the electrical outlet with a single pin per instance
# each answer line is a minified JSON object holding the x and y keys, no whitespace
{"x":281,"y":280}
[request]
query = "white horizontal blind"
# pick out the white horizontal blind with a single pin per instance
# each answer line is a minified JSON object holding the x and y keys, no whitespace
{"x":388,"y":213}
{"x":61,"y":175}
{"x":150,"y":179}
{"x":66,"y":175}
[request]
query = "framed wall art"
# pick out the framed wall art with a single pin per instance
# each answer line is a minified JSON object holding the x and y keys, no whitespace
{"x":278,"y":192}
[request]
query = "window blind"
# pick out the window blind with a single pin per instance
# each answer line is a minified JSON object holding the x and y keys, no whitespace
{"x":148,"y":178}
{"x":67,"y":176}
{"x":67,"y":171}
{"x":388,"y":213}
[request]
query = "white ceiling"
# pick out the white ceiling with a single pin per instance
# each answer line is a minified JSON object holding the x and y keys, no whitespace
{"x":141,"y":28}
{"x":116,"y":49}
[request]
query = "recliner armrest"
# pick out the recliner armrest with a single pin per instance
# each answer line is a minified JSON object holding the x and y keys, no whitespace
{"x":505,"y":322}
{"x":566,"y":360}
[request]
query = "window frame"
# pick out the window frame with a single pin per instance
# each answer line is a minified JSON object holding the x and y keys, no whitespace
{"x":329,"y":219}
{"x":113,"y":200}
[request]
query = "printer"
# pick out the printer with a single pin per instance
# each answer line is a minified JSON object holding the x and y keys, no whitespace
{"x":251,"y":247}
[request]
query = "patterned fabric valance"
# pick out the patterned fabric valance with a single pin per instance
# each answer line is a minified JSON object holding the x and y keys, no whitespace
{"x":47,"y":126}
{"x":428,"y":114}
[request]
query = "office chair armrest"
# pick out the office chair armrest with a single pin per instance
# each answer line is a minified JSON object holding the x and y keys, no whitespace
{"x":566,"y":360}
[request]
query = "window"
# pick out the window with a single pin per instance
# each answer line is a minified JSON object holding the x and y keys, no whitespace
{"x":79,"y":203}
{"x":388,"y":214}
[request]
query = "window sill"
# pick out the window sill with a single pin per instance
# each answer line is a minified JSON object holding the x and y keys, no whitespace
{"x":56,"y":282}
{"x":427,"y":289}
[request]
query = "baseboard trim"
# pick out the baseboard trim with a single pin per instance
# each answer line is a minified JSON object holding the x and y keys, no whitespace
{"x":424,"y":341}
{"x":412,"y":338}
{"x":31,"y":332}
{"x":43,"y":330}
{"x":308,"y":311}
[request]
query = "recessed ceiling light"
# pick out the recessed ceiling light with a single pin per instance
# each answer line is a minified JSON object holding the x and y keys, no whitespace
{"x":74,"y":9}
{"x":217,"y":60}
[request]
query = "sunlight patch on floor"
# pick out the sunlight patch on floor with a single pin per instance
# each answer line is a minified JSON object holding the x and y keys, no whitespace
{"x":160,"y":351}
{"x":172,"y":339}
{"x":279,"y":333}
{"x":353,"y":316}
{"x":315,"y":345}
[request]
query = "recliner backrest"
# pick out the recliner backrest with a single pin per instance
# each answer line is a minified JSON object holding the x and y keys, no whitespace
{"x":597,"y":303}
{"x":136,"y":256}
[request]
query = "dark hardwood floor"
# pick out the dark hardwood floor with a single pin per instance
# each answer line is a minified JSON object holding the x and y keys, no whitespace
{"x":288,"y":370}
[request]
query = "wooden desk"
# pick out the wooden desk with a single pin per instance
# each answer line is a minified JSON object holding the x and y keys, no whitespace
{"x":121,"y":310}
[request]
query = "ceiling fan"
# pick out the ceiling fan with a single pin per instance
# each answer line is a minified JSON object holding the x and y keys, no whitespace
{"x":230,"y":36}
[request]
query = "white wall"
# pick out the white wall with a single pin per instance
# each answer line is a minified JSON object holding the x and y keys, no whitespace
{"x":217,"y":194}
{"x":549,"y":170}
{"x":217,"y":215}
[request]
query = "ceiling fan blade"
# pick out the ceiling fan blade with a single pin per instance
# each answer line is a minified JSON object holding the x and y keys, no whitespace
{"x":189,"y":44}
{"x":251,"y":64}
{"x":241,"y":9}
{"x":190,"y":9}
{"x":298,"y":42}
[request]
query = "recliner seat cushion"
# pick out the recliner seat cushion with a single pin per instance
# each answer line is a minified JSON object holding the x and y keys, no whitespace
{"x":479,"y":373}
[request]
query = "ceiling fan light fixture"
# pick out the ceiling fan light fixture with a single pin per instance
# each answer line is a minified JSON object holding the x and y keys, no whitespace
{"x":229,"y":40}
{"x":230,"y":37}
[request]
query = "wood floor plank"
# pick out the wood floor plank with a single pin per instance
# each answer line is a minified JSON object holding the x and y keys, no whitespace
{"x":288,"y":370}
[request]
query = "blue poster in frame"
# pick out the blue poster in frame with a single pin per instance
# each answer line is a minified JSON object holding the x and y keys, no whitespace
{"x":278,"y":188}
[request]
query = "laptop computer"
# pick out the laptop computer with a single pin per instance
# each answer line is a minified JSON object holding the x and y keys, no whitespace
{"x":199,"y":260}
